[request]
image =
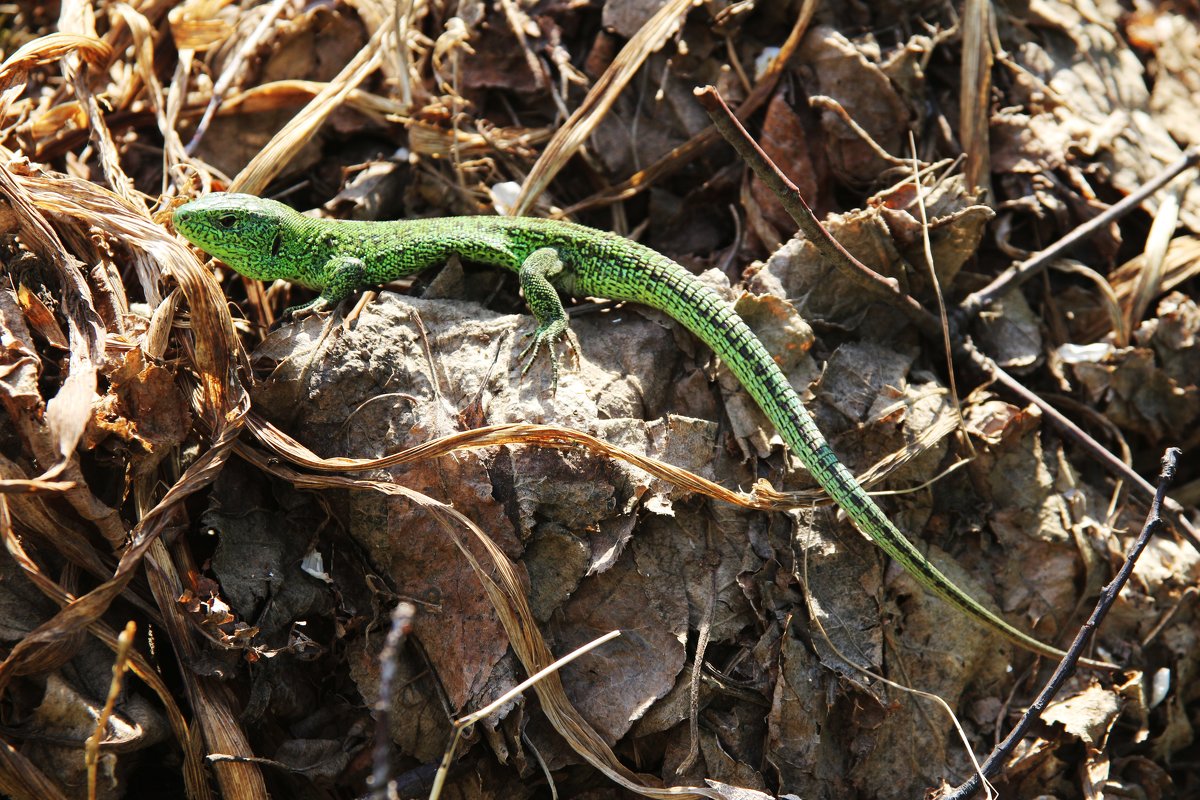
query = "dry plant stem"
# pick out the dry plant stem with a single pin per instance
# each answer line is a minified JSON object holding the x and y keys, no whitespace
{"x":600,"y":98}
{"x":862,"y":275}
{"x":762,"y":497}
{"x":402,"y":620}
{"x":1018,"y":273}
{"x":232,"y":71}
{"x":463,"y":724}
{"x":1067,"y":665}
{"x":92,"y":745}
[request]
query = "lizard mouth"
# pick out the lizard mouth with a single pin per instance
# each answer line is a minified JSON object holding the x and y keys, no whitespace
{"x":185,"y":224}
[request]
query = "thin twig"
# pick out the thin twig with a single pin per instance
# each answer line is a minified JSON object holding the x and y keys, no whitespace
{"x":1017,"y":274}
{"x":463,"y":724}
{"x":232,"y":71}
{"x":92,"y":745}
{"x":1067,"y":665}
{"x":966,"y":349}
{"x":389,"y":655}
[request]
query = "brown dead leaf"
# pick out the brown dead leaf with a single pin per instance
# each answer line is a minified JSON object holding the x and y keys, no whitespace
{"x":1100,"y":102}
{"x":614,"y":686}
{"x":956,"y":226}
{"x":847,"y":72}
{"x":818,"y":290}
{"x":1011,"y":333}
{"x":143,"y":406}
{"x":785,"y":140}
{"x":20,"y":366}
{"x":1174,"y":40}
{"x":1089,"y":716}
{"x":1141,"y":395}
{"x":39,"y":317}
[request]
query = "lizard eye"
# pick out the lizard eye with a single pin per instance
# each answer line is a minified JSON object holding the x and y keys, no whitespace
{"x":227,"y":221}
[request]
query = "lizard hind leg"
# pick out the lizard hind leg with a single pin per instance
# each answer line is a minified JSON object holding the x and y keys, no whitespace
{"x":547,"y":308}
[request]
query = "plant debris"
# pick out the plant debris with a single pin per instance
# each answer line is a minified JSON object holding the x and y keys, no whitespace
{"x":256,"y":494}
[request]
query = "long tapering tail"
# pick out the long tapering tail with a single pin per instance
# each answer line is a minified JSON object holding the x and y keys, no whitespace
{"x":670,"y":288}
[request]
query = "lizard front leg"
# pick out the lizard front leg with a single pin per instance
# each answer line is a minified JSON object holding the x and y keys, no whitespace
{"x":343,"y":275}
{"x":547,"y":308}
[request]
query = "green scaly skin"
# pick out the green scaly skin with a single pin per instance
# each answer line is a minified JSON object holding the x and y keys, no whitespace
{"x":267,"y":240}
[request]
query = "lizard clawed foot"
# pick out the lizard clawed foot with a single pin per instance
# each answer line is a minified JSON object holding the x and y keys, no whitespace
{"x":548,"y":336}
{"x":312,"y":307}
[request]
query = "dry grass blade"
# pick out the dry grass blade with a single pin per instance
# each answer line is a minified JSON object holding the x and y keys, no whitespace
{"x":143,"y":48}
{"x":21,"y":486}
{"x":68,"y":411}
{"x":945,"y":425}
{"x":77,"y":206}
{"x":54,"y":641}
{"x":283,"y":94}
{"x":193,"y":770}
{"x":78,"y":72}
{"x":762,"y":497}
{"x":1166,"y":217}
{"x":47,"y":50}
{"x":1181,"y":263}
{"x":278,"y":152}
{"x":694,"y":147}
{"x":492,"y":436}
{"x":975,"y":91}
{"x":575,"y":131}
{"x":156,"y":256}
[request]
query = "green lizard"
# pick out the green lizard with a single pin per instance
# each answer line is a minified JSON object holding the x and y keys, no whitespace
{"x":267,"y":240}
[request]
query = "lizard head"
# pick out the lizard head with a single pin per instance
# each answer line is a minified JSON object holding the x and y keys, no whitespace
{"x":244,"y":231}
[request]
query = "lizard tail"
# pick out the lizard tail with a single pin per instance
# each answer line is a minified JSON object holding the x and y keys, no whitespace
{"x":670,"y":288}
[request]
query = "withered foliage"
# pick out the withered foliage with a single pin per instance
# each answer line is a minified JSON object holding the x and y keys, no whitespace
{"x":257,"y":494}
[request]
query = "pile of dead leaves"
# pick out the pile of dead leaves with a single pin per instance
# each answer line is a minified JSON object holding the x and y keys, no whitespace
{"x":255,"y":500}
